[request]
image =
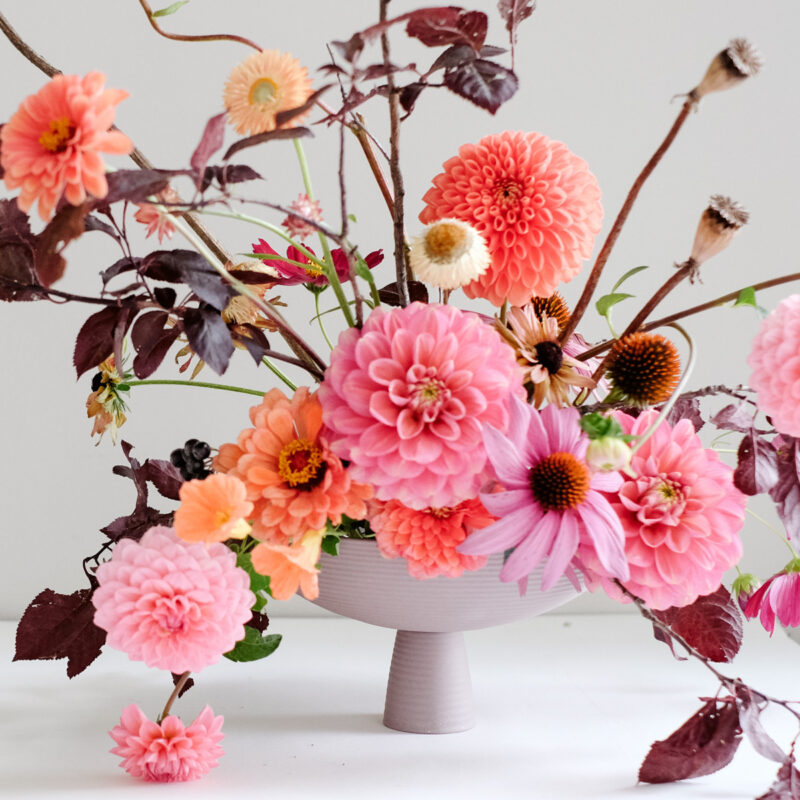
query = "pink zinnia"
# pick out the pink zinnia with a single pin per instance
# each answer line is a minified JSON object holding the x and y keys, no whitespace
{"x":172,"y":604}
{"x":552,"y":504}
{"x":405,"y":398}
{"x":775,"y":361}
{"x":535,"y":203}
{"x":778,"y":597}
{"x":428,"y":538}
{"x":51,"y":145}
{"x":681,"y":514}
{"x":169,"y":751}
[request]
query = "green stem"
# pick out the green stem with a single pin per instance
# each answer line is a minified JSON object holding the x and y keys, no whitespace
{"x":775,"y":530}
{"x":319,"y":320}
{"x":272,"y":368}
{"x":202,"y":384}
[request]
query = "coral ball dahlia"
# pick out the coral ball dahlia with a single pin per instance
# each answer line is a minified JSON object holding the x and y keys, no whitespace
{"x":535,"y":203}
{"x":405,"y":399}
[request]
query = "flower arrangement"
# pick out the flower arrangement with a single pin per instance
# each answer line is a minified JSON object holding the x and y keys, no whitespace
{"x":445,"y":434}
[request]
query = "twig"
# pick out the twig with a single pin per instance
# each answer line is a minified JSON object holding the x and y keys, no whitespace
{"x":175,"y":692}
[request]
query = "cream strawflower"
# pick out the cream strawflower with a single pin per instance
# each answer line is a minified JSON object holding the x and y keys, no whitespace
{"x":449,"y":254}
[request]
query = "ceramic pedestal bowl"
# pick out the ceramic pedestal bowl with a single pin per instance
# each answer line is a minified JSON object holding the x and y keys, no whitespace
{"x":429,"y":688}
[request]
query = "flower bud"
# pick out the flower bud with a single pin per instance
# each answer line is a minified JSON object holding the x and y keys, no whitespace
{"x":739,"y":60}
{"x":608,"y":454}
{"x":743,"y":588}
{"x":718,"y":224}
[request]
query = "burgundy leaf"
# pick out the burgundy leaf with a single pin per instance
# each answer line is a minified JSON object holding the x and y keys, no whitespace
{"x":454,"y":56}
{"x":351,"y":49}
{"x":17,"y":278}
{"x":375,"y":71}
{"x":94,"y":223}
{"x":513,"y":13}
{"x":119,"y":267}
{"x":211,"y":141}
{"x":150,"y":356}
{"x":735,"y":417}
{"x":65,"y":226}
{"x":757,"y":465}
{"x":135,"y":525}
{"x":135,"y":185}
{"x":786,"y":492}
{"x":60,"y":626}
{"x":787,"y":783}
{"x":253,"y":340}
{"x":95,"y":341}
{"x":227,"y":173}
{"x":659,"y":634}
{"x":705,"y":743}
{"x":686,"y":408}
{"x":186,"y":686}
{"x":259,"y":621}
{"x":268,"y":136}
{"x":484,"y":83}
{"x":14,"y":224}
{"x":762,"y":742}
{"x":417,"y":292}
{"x":712,"y":625}
{"x":189,"y":267}
{"x":436,"y":27}
{"x":164,"y":476}
{"x":282,"y":117}
{"x":409,"y":95}
{"x":209,"y":337}
{"x":147,"y":327}
{"x":165,"y":296}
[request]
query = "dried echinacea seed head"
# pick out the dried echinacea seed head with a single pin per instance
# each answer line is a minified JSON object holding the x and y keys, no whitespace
{"x":552,"y":306}
{"x":644,"y":368}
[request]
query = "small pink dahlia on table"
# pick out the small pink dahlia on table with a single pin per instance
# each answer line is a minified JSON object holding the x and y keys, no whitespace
{"x":405,"y":398}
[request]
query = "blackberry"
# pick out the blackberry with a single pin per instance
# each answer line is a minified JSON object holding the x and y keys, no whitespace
{"x":191,"y":459}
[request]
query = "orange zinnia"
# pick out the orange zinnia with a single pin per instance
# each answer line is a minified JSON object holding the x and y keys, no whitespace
{"x":213,"y":510}
{"x":290,"y":568}
{"x":295,"y":483}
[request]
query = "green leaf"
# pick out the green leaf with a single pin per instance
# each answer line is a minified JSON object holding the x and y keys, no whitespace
{"x":330,"y":544}
{"x":259,"y":584}
{"x":352,"y":217}
{"x":747,"y":297}
{"x":170,"y":9}
{"x":604,"y":304}
{"x":254,"y":646}
{"x":630,"y":273}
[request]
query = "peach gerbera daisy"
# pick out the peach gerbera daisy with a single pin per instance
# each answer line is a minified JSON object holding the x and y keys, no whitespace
{"x":294,"y":481}
{"x":261,"y":86}
{"x":213,"y":509}
{"x":51,"y":145}
{"x":290,"y":567}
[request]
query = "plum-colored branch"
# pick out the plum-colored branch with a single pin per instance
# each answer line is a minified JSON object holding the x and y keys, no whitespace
{"x":175,"y":692}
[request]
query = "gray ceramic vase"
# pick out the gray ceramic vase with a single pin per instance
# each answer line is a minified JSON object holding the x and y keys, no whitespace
{"x":429,"y":688}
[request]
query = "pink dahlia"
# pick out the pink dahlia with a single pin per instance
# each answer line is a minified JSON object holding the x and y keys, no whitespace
{"x":428,"y":538}
{"x":169,"y":751}
{"x":553,"y":504}
{"x":51,"y":145}
{"x":535,"y":203}
{"x":775,"y":361}
{"x":405,"y":398}
{"x":681,"y":515}
{"x":778,"y":597}
{"x":172,"y":604}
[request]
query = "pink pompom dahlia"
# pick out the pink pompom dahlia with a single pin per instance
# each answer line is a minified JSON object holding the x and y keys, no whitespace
{"x":174,"y":605}
{"x":778,"y":597}
{"x":405,"y":398}
{"x":553,"y":504}
{"x":428,"y":538}
{"x":535,"y":203}
{"x":169,"y":751}
{"x":51,"y":145}
{"x":681,"y":515}
{"x":775,"y":361}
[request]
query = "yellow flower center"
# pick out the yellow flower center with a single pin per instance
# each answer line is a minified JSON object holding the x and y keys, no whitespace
{"x":263,"y":92}
{"x":446,"y":241}
{"x":312,"y":271}
{"x":444,"y":512}
{"x":300,"y":464}
{"x":55,"y":138}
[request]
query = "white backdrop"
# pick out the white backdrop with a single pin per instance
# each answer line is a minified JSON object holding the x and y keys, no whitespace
{"x":597,"y":75}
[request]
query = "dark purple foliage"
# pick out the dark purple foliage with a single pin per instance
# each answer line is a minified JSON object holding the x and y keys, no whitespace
{"x":484,"y":83}
{"x":268,"y":136}
{"x":209,"y":337}
{"x":787,"y":783}
{"x":749,"y":719}
{"x":513,"y":13}
{"x":100,"y":336}
{"x":786,"y":491}
{"x":211,"y":141}
{"x":757,"y":464}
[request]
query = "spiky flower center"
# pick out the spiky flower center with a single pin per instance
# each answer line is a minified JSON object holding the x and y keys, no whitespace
{"x":301,"y":465}
{"x":446,"y":242}
{"x":553,"y":306}
{"x":645,"y":368}
{"x":550,"y":356}
{"x":559,"y":482}
{"x":55,"y":138}
{"x":263,"y":92}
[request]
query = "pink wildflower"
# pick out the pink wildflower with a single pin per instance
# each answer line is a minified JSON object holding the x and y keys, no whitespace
{"x":174,"y":605}
{"x":778,"y":597}
{"x":297,"y":227}
{"x":167,"y":752}
{"x":158,"y":221}
{"x":405,"y":398}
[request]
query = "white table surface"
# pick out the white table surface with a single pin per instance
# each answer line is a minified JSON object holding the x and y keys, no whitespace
{"x":566,"y":707}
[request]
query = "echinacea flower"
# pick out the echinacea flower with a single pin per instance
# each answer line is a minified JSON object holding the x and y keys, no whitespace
{"x":535,"y":203}
{"x":290,"y":567}
{"x":50,"y":147}
{"x":308,"y":209}
{"x":174,"y":605}
{"x":448,"y":254}
{"x":295,"y":482}
{"x":213,"y":510}
{"x":167,"y":751}
{"x":553,"y":305}
{"x":644,"y":368}
{"x":778,"y":597}
{"x":262,"y":86}
{"x":775,"y":361}
{"x":427,"y":538}
{"x":159,"y":220}
{"x":405,"y":397}
{"x":549,"y":373}
{"x":552,"y":504}
{"x":105,"y":402}
{"x":681,"y":515}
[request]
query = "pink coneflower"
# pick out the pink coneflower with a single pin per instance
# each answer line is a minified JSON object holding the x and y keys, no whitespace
{"x":405,"y":398}
{"x":167,"y":751}
{"x":50,"y":147}
{"x":553,"y":502}
{"x":775,"y":363}
{"x":535,"y":203}
{"x":778,"y":597}
{"x":428,"y":538}
{"x":681,"y":515}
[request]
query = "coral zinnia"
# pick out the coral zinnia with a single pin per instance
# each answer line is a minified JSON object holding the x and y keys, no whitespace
{"x":174,"y":605}
{"x":405,"y":397}
{"x":51,"y":144}
{"x":536,"y":204}
{"x":427,"y":539}
{"x":775,"y":361}
{"x":263,"y":85}
{"x":168,"y":751}
{"x":213,"y":510}
{"x":681,"y":515}
{"x":552,"y":504}
{"x":294,"y":481}
{"x":644,"y":368}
